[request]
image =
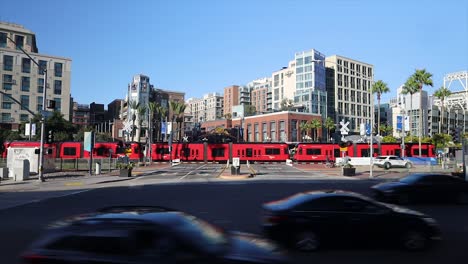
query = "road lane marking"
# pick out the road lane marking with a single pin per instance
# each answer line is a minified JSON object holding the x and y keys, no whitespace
{"x":181,"y":178}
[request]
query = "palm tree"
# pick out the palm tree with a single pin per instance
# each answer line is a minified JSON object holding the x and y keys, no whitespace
{"x":410,"y":87}
{"x":315,"y":125}
{"x":152,"y":108}
{"x":379,"y":88}
{"x":161,"y":116}
{"x":304,"y":127}
{"x":178,"y":109}
{"x":421,"y":77}
{"x":442,"y":93}
{"x":329,"y":125}
{"x":141,"y":114}
{"x":134,"y":107}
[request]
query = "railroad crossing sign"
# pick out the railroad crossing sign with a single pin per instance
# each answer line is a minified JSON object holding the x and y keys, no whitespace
{"x":344,"y":127}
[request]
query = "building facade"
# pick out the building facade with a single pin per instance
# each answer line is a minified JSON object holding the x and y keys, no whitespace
{"x":24,"y":81}
{"x":284,"y":126}
{"x":231,"y":97}
{"x":349,"y":91}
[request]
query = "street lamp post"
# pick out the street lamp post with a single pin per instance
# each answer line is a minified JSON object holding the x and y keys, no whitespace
{"x":44,"y":100}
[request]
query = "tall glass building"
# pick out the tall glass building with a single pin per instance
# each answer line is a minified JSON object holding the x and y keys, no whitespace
{"x":310,"y":82}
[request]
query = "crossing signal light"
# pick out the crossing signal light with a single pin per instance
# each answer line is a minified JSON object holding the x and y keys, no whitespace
{"x":457,"y":135}
{"x":50,"y":136}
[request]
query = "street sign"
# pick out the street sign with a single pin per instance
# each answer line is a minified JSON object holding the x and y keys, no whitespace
{"x":46,"y":114}
{"x":368,"y":129}
{"x":344,"y":127}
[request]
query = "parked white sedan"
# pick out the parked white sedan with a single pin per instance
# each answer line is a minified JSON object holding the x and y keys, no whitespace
{"x":388,"y":162}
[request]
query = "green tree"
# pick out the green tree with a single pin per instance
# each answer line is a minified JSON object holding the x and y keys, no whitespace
{"x":442,"y":93}
{"x":379,"y":88}
{"x":329,"y":125}
{"x":410,"y":87}
{"x":386,"y":130}
{"x":389,"y":139}
{"x":286,"y":104}
{"x":421,"y":78}
{"x":441,"y":140}
{"x":178,"y":109}
{"x":304,"y":127}
{"x":250,"y":110}
{"x":141,"y":114}
{"x":315,"y":125}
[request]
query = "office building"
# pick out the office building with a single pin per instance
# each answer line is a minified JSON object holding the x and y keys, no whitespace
{"x":23,"y":80}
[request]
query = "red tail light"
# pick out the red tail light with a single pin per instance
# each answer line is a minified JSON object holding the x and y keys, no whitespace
{"x":275,"y":219}
{"x":34,"y":258}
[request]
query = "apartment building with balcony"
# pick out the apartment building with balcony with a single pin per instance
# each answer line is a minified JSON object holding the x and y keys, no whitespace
{"x":24,"y":81}
{"x":261,"y":96}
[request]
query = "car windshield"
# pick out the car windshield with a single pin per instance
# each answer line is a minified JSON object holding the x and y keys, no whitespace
{"x":413,"y":178}
{"x":203,"y":235}
{"x":380,"y":157}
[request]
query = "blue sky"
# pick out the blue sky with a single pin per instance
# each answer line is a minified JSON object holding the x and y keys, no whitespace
{"x":203,"y":46}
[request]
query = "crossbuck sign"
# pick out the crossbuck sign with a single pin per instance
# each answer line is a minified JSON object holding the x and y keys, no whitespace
{"x":344,"y":127}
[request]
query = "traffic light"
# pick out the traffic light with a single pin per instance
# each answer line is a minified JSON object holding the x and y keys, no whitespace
{"x":50,"y":136}
{"x":342,"y":144}
{"x":457,"y":136}
{"x":453,"y":133}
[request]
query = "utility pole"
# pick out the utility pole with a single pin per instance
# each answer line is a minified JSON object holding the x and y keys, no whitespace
{"x":44,"y":100}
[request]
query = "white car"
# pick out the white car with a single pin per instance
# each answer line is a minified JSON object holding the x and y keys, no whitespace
{"x":388,"y":162}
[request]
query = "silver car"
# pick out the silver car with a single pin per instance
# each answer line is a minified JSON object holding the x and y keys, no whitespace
{"x":390,"y":161}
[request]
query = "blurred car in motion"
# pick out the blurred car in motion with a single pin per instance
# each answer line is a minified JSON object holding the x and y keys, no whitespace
{"x":147,"y":235}
{"x":388,"y":162}
{"x":309,"y":220}
{"x":420,"y":187}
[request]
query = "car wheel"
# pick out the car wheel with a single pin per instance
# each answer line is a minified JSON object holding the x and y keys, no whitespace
{"x":387,"y":165}
{"x":403,"y":198}
{"x":414,"y":240}
{"x":408,"y":165}
{"x":307,"y":241}
{"x":462,"y":198}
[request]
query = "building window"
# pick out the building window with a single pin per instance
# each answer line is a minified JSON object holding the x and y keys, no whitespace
{"x":6,"y":118}
{"x":7,"y":63}
{"x":6,"y":105}
{"x":58,"y":104}
{"x":3,"y":40}
{"x":39,"y":103}
{"x":40,"y":85}
{"x":42,"y":67}
{"x":264,"y":130}
{"x":19,"y":42}
{"x":25,"y":84}
{"x":24,"y":117}
{"x":57,"y":87}
{"x":7,"y":82}
{"x":273,"y":131}
{"x":25,"y":65}
{"x":257,"y":133}
{"x":24,"y":102}
{"x":282,"y":131}
{"x":294,"y":130}
{"x":58,"y":68}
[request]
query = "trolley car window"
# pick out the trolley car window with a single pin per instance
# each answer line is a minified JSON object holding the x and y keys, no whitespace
{"x":336,"y":153}
{"x":249,"y":152}
{"x":217,"y":152}
{"x":162,"y":150}
{"x":313,"y":152}
{"x":272,"y":151}
{"x":69,"y":151}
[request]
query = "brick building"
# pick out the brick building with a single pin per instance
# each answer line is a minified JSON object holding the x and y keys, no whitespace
{"x":274,"y":127}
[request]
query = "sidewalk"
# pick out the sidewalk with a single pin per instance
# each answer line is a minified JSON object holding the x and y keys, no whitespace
{"x":73,"y":178}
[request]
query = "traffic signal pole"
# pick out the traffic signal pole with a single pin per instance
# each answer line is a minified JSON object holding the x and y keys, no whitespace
{"x":44,"y":99}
